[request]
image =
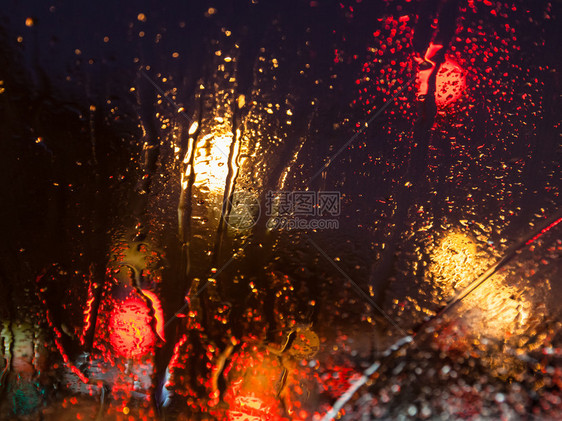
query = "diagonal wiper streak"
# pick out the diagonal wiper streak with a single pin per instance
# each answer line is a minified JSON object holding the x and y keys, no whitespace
{"x":546,"y":226}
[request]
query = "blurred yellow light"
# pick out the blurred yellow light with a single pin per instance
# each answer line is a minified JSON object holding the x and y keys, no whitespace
{"x":494,"y":309}
{"x":193,"y":128}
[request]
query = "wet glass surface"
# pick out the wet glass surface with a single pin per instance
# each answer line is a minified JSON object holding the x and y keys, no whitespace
{"x":262,"y":210}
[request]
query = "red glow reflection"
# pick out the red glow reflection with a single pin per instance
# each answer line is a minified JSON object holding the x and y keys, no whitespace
{"x":131,"y":333}
{"x":254,"y":385}
{"x":250,"y":408}
{"x":450,"y":83}
{"x":450,"y":80}
{"x":425,"y":73}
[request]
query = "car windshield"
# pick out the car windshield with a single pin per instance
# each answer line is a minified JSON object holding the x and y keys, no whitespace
{"x":280,"y":210}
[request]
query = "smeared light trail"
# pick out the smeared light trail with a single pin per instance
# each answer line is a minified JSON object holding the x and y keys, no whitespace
{"x":158,"y":313}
